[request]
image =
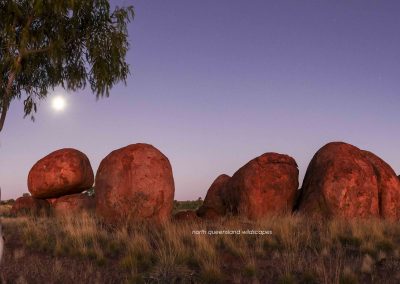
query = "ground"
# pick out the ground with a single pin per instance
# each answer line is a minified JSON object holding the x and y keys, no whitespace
{"x":293,"y":249}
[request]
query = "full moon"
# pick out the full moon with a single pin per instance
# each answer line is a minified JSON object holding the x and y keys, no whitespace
{"x":58,"y":103}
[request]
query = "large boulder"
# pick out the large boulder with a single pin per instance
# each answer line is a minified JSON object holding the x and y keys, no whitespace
{"x":214,"y":200}
{"x":28,"y":205}
{"x":65,"y":171}
{"x":135,"y":182}
{"x":74,"y":203}
{"x":388,"y":187}
{"x":344,"y":181}
{"x":265,"y":186}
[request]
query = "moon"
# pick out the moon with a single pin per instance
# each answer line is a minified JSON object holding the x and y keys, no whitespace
{"x":58,"y":103}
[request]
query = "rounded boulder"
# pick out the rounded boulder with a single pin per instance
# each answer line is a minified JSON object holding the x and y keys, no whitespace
{"x":135,"y":183}
{"x":342,"y":180}
{"x":28,"y":205}
{"x":73,"y":203}
{"x":263,"y":187}
{"x":388,"y":187}
{"x":215,"y":200}
{"x":65,"y":171}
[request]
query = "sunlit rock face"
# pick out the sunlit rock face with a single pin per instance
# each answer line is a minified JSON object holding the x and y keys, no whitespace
{"x":214,"y":202}
{"x":28,"y":205}
{"x":265,"y":186}
{"x":73,"y":204}
{"x":345,"y":181}
{"x":388,"y":187}
{"x":135,"y":182}
{"x":65,"y":171}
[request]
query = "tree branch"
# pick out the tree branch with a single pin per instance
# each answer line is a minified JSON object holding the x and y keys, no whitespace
{"x":6,"y":100}
{"x":35,"y":51}
{"x":7,"y":94}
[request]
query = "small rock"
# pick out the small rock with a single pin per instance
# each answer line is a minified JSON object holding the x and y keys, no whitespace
{"x":28,"y":205}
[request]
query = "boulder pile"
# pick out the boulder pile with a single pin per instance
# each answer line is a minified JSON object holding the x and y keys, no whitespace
{"x":136,"y":183}
{"x":57,"y":182}
{"x":341,"y":181}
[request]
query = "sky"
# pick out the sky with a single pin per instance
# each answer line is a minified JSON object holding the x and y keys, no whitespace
{"x":215,"y":84}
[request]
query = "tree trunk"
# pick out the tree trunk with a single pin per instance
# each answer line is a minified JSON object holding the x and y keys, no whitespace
{"x":7,"y":93}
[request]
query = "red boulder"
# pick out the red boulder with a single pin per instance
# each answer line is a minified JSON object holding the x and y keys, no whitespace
{"x":28,"y":205}
{"x":74,"y":203}
{"x":62,"y":172}
{"x":264,"y":186}
{"x":388,"y":187}
{"x":214,"y":200}
{"x":135,"y":182}
{"x":345,"y":181}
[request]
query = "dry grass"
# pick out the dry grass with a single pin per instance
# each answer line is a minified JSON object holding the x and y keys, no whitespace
{"x":299,"y":250}
{"x":5,"y":209}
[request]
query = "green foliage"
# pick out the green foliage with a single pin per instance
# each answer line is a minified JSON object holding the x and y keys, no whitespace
{"x":7,"y":202}
{"x":187,"y":205}
{"x":45,"y":44}
{"x":90,"y":191}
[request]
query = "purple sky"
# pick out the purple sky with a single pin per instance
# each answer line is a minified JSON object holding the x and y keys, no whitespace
{"x":217,"y":83}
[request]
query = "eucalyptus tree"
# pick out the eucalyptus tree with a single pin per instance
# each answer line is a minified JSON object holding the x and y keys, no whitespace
{"x":73,"y":44}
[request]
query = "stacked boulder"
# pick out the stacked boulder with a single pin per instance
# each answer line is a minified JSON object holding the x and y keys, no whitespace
{"x":62,"y":175}
{"x":347,"y":182}
{"x":134,"y":182}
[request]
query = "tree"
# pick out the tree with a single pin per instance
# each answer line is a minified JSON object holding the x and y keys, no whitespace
{"x":71,"y":43}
